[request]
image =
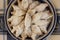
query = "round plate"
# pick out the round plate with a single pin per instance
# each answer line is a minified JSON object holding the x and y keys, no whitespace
{"x":51,"y":25}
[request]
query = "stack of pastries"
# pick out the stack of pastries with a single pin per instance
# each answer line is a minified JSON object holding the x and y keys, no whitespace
{"x":29,"y":19}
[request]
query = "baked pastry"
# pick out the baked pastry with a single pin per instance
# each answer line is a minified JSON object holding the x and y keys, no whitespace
{"x":28,"y":17}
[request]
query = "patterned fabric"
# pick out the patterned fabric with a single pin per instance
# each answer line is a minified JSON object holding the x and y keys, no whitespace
{"x":3,"y":31}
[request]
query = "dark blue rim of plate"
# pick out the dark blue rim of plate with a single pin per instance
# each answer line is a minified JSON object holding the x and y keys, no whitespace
{"x":54,"y":24}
